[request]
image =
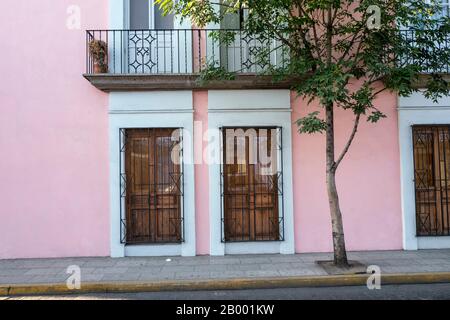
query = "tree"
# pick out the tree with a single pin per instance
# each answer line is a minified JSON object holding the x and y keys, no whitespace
{"x":342,"y":54}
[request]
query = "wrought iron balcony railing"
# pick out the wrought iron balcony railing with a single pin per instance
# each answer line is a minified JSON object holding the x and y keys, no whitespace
{"x":179,"y":52}
{"x":193,"y":51}
{"x":441,"y":44}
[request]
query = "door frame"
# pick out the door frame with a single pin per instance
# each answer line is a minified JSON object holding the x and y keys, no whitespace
{"x":276,"y":145}
{"x":416,"y":110}
{"x":153,"y":196}
{"x":155,"y":109}
{"x":249,"y":108}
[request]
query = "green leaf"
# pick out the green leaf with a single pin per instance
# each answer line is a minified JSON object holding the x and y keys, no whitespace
{"x":311,"y":124}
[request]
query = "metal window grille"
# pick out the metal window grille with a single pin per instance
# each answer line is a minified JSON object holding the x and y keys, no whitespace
{"x":432,"y":179}
{"x":252,"y":207}
{"x":151,"y":185}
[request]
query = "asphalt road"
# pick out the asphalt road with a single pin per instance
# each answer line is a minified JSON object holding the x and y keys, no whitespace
{"x":402,"y":292}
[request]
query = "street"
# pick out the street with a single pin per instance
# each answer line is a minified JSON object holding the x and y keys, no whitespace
{"x":402,"y":292}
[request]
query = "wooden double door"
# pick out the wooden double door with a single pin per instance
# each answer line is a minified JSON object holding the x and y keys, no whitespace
{"x":153,"y":186}
{"x":250,"y":188}
{"x":432,"y":179}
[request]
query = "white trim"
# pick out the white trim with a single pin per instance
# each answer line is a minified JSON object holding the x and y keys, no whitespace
{"x":254,"y":101}
{"x":415,"y":110}
{"x":252,"y":248}
{"x":433,"y":242}
{"x":164,"y":101}
{"x":118,"y":11}
{"x":251,"y":110}
{"x":126,"y":116}
{"x":249,"y":100}
{"x":417,"y":100}
{"x":153,"y":251}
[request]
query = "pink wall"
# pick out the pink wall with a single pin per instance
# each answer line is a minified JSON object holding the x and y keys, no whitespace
{"x":368,"y":180}
{"x":201,"y":173}
{"x":53,"y":134}
{"x":54,"y":144}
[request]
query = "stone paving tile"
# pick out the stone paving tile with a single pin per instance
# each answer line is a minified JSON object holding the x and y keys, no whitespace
{"x":225,"y":274}
{"x":402,"y":269}
{"x":257,"y":260}
{"x":210,"y":268}
{"x":143,"y":270}
{"x":130,"y":263}
{"x":225,"y":260}
{"x":100,"y":263}
{"x":262,"y":273}
{"x":304,"y":272}
{"x":305,"y":265}
{"x":7,"y":264}
{"x":157,"y":262}
{"x":121,"y":277}
{"x":243,"y":267}
{"x":156,"y":277}
{"x":117,"y":270}
{"x":285,"y":258}
{"x":88,"y":270}
{"x":91,"y":278}
{"x":191,"y":275}
{"x":33,"y":263}
{"x":8,"y":272}
{"x":15,"y":279}
{"x":193,"y":260}
{"x":178,"y":269}
{"x":277,"y":266}
{"x":45,"y":271}
{"x":315,"y":257}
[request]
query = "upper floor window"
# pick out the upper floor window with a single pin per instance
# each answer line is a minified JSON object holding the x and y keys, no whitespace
{"x":444,"y":7}
{"x":144,"y":14}
{"x":233,"y":21}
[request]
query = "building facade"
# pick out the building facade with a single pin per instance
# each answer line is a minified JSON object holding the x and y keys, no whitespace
{"x":140,"y":157}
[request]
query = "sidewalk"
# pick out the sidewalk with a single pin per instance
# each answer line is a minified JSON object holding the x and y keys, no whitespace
{"x":235,"y":269}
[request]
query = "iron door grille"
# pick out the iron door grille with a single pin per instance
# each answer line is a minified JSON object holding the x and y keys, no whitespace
{"x":151,"y":185}
{"x":251,"y":190}
{"x":431,"y":146}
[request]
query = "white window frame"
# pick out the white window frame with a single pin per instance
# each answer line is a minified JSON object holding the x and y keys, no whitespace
{"x":249,"y":108}
{"x":144,"y":110}
{"x":416,"y":110}
{"x":151,"y":14}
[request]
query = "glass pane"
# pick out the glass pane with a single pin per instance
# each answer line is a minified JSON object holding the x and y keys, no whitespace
{"x":161,"y":21}
{"x":139,"y":14}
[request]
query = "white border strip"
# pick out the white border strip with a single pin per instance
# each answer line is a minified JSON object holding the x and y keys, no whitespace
{"x":411,"y":113}
{"x":234,"y":116}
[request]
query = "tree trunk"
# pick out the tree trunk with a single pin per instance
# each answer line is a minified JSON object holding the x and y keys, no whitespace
{"x":340,"y":253}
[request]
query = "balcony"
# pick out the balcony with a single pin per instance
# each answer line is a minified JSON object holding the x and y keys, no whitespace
{"x":180,"y":59}
{"x":189,"y":59}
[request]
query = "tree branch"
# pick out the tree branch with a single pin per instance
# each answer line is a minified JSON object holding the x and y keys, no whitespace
{"x":349,"y":142}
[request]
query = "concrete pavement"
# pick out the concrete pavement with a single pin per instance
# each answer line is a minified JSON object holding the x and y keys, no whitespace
{"x":201,"y":269}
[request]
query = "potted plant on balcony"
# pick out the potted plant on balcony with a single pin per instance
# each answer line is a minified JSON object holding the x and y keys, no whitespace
{"x":99,"y":52}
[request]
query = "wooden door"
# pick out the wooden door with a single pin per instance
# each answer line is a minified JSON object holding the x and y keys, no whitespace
{"x":250,"y":194}
{"x":432,"y":179}
{"x":153,"y":197}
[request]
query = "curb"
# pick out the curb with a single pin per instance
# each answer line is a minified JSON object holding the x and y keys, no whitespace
{"x":222,"y":284}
